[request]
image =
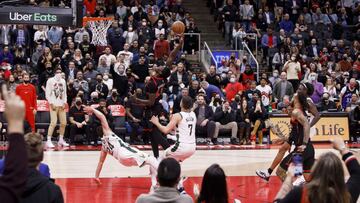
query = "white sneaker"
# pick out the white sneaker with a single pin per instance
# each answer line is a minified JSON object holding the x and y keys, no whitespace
{"x":299,"y":181}
{"x":264,"y":174}
{"x":49,"y":144}
{"x":181,"y":182}
{"x":63,"y":143}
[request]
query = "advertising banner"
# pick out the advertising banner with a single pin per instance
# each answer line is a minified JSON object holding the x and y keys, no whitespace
{"x":218,"y":55}
{"x":324,"y":130}
{"x":36,"y":15}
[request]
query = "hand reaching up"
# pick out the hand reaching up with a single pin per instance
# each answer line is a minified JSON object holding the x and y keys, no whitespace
{"x":14,"y":111}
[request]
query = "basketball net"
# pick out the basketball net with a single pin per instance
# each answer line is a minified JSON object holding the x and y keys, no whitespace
{"x":98,"y":28}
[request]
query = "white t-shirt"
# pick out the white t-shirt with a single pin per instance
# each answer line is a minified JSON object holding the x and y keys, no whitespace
{"x":110,"y":59}
{"x":266,"y":91}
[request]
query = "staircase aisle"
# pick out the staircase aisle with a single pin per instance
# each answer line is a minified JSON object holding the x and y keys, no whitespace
{"x":205,"y":22}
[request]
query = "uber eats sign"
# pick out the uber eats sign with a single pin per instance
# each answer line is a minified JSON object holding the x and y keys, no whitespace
{"x":36,"y":15}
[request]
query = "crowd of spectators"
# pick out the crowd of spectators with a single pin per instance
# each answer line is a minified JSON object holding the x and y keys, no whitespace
{"x":297,"y":46}
{"x":314,"y":41}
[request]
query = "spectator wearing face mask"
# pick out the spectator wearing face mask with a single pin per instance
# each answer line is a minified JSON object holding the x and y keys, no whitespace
{"x":57,"y":98}
{"x":78,"y":121}
{"x":318,"y":88}
{"x":274,"y":78}
{"x":233,"y":88}
{"x":27,"y":93}
{"x":130,"y":35}
{"x":114,"y":98}
{"x":292,"y":69}
{"x":326,"y":103}
{"x":100,"y":87}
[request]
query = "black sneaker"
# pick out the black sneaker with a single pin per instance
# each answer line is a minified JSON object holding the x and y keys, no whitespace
{"x":214,"y":141}
{"x":234,"y":141}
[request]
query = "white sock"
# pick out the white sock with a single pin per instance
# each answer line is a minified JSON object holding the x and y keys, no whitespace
{"x":61,"y":138}
{"x":49,"y":138}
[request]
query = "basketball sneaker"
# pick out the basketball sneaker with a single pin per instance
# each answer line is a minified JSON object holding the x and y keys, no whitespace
{"x":264,"y":174}
{"x":49,"y":144}
{"x":62,"y":143}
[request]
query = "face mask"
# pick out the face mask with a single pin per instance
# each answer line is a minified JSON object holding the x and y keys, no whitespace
{"x":57,"y":76}
{"x":232,"y":80}
{"x":160,"y":24}
{"x":293,"y":58}
{"x":99,"y":80}
{"x":78,"y":103}
{"x":71,"y":85}
{"x":106,"y":77}
{"x":114,"y":94}
{"x":275,"y":74}
{"x":143,"y":23}
{"x":26,"y":81}
{"x":130,"y":29}
{"x":193,"y":78}
{"x":312,"y":78}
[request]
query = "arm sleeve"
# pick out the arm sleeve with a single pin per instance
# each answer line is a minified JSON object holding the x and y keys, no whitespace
{"x":13,"y":180}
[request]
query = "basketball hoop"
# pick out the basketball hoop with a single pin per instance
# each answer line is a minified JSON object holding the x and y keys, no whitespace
{"x":98,"y":27}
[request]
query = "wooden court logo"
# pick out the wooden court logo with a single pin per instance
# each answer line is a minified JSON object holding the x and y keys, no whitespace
{"x":280,"y":128}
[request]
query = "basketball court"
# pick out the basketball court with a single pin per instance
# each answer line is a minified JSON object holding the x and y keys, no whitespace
{"x":74,"y":168}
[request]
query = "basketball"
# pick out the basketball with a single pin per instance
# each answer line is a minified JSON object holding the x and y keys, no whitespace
{"x":178,"y":27}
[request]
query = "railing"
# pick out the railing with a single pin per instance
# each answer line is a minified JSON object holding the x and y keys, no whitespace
{"x":253,"y":57}
{"x":240,"y":38}
{"x":199,"y":44}
{"x":207,"y":57}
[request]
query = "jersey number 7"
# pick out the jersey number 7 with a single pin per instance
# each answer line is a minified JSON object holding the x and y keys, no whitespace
{"x":191,"y":128}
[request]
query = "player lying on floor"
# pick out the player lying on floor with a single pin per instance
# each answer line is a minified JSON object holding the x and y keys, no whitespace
{"x":125,"y":154}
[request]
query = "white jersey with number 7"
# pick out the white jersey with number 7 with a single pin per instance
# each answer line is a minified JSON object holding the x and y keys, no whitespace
{"x":185,"y":131}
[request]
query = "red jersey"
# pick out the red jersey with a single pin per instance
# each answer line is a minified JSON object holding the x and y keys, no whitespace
{"x":28,"y":94}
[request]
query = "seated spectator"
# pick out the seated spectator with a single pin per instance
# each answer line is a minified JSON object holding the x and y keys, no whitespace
{"x":6,"y":56}
{"x":330,"y":88}
{"x":233,"y":88}
{"x":282,"y":106}
{"x":327,"y":180}
{"x":194,"y":88}
{"x":250,"y":92}
{"x":225,"y":119}
{"x":259,"y":114}
{"x":213,"y":186}
{"x":89,"y":72}
{"x":78,"y":121}
{"x":204,"y":114}
{"x":100,"y":87}
{"x":282,"y":88}
{"x":39,"y":188}
{"x":95,"y":124}
{"x":353,"y":103}
{"x":179,"y":79}
{"x":135,"y":115}
{"x":266,"y":92}
{"x":177,"y":101}
{"x":347,"y":93}
{"x":213,"y":78}
{"x":168,"y":177}
{"x":326,"y":104}
{"x":354,"y":120}
{"x":114,"y":98}
{"x":210,"y":90}
{"x":243,"y":116}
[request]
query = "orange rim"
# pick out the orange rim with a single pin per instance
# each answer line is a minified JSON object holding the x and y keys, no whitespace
{"x":91,"y":19}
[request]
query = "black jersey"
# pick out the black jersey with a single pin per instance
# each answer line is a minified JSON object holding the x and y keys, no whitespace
{"x":297,"y":132}
{"x":155,"y":86}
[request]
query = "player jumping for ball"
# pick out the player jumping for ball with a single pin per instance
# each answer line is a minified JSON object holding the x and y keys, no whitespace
{"x":304,"y":89}
{"x":125,"y":154}
{"x":184,"y":125}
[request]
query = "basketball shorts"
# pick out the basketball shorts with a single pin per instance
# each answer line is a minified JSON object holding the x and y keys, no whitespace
{"x":308,"y":158}
{"x":180,"y":151}
{"x":130,"y":156}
